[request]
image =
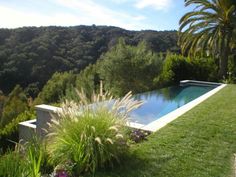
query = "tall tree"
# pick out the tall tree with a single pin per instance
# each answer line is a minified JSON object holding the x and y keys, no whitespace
{"x":129,"y":68}
{"x":209,"y":29}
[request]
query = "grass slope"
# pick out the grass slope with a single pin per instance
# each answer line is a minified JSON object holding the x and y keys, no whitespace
{"x":201,"y":143}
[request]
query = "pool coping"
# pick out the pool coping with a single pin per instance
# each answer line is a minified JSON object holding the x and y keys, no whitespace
{"x":164,"y":120}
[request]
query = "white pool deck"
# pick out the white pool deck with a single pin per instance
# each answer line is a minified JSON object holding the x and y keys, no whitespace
{"x":44,"y":113}
{"x":164,"y":120}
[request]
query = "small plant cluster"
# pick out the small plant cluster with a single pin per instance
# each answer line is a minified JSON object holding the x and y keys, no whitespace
{"x":138,"y":135}
{"x":28,"y":160}
{"x":229,"y":79}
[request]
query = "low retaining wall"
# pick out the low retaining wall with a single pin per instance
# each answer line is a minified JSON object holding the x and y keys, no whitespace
{"x":27,"y":130}
{"x":45,"y":113}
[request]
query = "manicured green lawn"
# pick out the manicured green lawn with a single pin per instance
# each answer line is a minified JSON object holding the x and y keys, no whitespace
{"x":201,"y":143}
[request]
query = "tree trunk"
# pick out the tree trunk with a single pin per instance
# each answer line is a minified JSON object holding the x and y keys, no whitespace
{"x":224,"y":55}
{"x":223,"y":66}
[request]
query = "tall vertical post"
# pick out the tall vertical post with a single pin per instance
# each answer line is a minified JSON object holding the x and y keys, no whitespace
{"x":101,"y":88}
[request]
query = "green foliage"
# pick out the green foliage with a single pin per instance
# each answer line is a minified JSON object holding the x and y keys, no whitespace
{"x":56,"y":87}
{"x":88,"y":80}
{"x":28,"y":160}
{"x":12,"y":127}
{"x":231,"y":74}
{"x":90,"y":136}
{"x":209,"y":29}
{"x":32,"y":90}
{"x":37,"y":158}
{"x":15,"y":104}
{"x":31,"y":55}
{"x":62,"y":85}
{"x":2,"y":102}
{"x":126,"y":68}
{"x":177,"y":68}
{"x":10,"y":131}
{"x":12,"y":165}
{"x":34,"y":166}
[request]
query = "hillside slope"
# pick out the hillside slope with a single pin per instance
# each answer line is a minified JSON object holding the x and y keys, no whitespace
{"x":30,"y":55}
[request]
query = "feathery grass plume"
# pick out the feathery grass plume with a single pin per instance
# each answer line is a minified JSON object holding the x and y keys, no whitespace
{"x":95,"y":131}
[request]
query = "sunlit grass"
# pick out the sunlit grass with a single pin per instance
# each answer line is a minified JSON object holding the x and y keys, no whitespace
{"x":200,"y":143}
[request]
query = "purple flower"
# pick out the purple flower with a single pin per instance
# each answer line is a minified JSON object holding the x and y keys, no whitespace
{"x":61,"y":173}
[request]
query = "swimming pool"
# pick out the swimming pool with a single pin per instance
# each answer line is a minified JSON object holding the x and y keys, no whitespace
{"x":160,"y":108}
{"x":163,"y":101}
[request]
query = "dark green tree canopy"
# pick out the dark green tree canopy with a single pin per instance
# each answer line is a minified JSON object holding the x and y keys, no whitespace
{"x":127,"y":68}
{"x":32,"y":55}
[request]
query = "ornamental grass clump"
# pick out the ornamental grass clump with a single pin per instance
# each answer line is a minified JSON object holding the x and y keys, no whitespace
{"x":25,"y":161}
{"x":90,"y":133}
{"x":12,"y":165}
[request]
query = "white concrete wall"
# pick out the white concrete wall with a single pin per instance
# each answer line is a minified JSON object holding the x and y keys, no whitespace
{"x":27,"y":130}
{"x":45,"y":113}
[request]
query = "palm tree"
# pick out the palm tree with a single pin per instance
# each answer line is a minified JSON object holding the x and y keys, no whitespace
{"x":209,"y":30}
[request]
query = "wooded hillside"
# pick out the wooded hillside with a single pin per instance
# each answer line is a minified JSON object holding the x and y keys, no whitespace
{"x":30,"y":55}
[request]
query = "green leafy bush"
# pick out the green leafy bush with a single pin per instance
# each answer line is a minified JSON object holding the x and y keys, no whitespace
{"x":10,"y":131}
{"x":55,"y":88}
{"x":15,"y":104}
{"x":126,"y":68}
{"x":230,"y":78}
{"x":90,"y":136}
{"x":12,"y":127}
{"x":88,"y":80}
{"x":178,"y":67}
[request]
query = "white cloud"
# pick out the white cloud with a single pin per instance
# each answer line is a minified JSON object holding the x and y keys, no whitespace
{"x":93,"y":13}
{"x":76,"y":12}
{"x":156,"y":4}
{"x":120,"y":1}
{"x":14,"y":18}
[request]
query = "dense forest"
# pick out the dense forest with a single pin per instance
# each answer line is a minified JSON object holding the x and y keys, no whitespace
{"x":30,"y":55}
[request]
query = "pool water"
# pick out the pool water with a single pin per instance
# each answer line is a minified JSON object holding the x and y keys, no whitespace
{"x":163,"y":101}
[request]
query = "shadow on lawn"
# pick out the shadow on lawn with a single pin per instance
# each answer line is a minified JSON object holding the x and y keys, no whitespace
{"x":132,"y":165}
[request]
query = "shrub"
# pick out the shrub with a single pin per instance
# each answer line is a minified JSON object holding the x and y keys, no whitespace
{"x":10,"y":131}
{"x":12,"y":127}
{"x":55,"y":88}
{"x":90,"y":135}
{"x":12,"y":165}
{"x":15,"y":104}
{"x":28,"y":160}
{"x":126,"y":68}
{"x":178,"y":67}
{"x":175,"y":68}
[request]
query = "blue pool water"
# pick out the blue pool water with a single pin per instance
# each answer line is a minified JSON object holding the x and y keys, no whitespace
{"x":163,"y":101}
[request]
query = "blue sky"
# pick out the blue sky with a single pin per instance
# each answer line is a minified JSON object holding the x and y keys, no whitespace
{"x":128,"y":14}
